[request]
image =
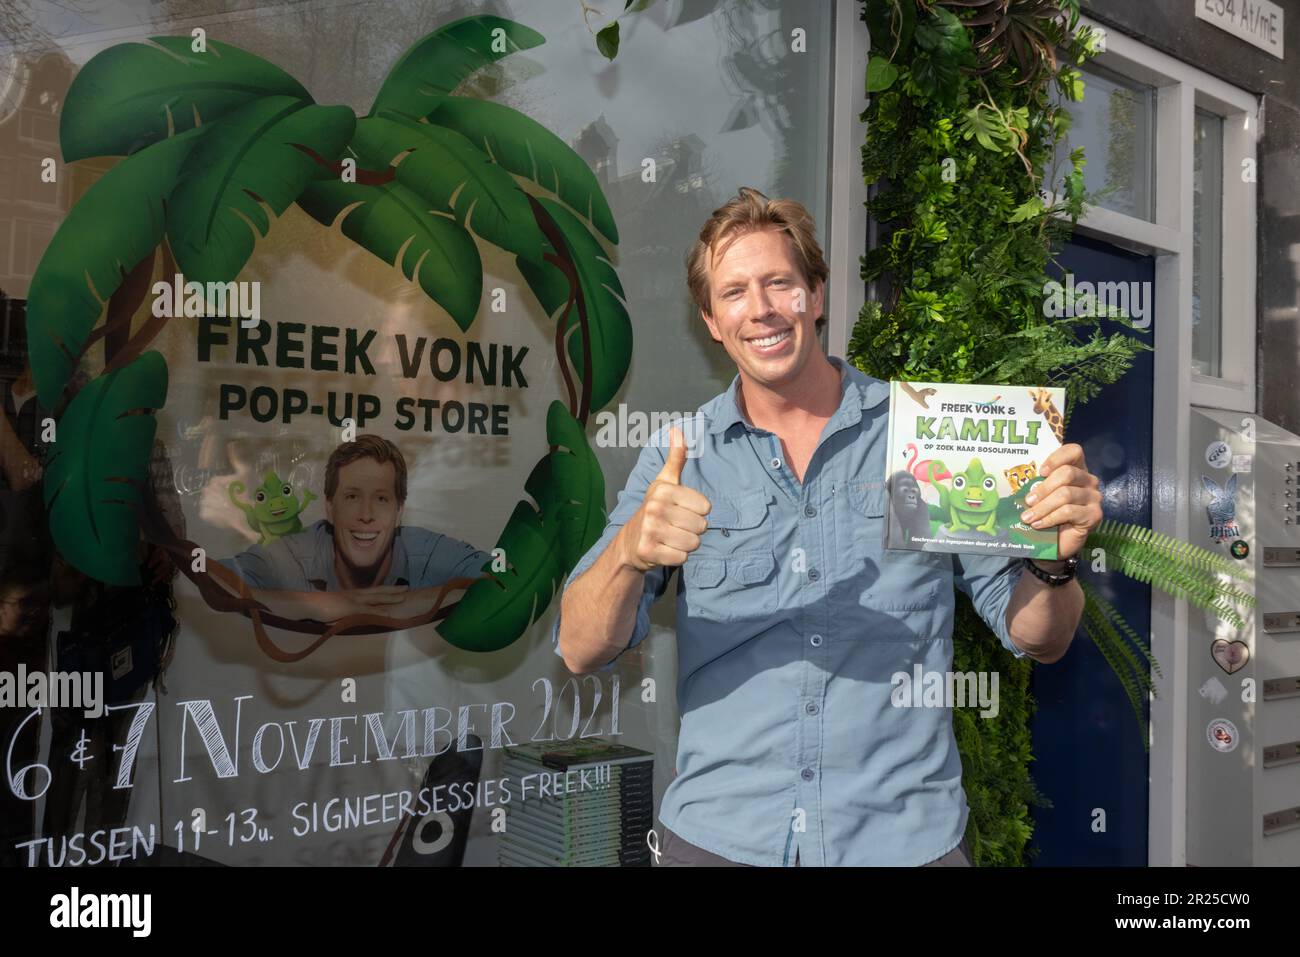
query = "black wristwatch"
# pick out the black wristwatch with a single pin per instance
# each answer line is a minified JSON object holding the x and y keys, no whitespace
{"x":1054,"y":580}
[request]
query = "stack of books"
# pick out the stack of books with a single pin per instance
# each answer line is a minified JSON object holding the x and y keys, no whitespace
{"x":596,"y":815}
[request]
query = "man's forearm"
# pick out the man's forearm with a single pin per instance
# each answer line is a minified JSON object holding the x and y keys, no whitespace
{"x":1042,"y":618}
{"x":598,"y":611}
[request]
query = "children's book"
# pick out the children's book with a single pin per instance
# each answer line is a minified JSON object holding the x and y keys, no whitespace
{"x":962,"y":458}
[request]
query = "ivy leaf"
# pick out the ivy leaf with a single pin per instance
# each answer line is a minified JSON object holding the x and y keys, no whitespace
{"x":607,"y":41}
{"x":881,"y":74}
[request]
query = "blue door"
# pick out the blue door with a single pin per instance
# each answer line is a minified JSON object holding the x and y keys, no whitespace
{"x":1088,"y":753}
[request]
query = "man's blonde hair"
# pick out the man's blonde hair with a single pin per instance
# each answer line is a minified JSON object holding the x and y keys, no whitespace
{"x":751,"y":212}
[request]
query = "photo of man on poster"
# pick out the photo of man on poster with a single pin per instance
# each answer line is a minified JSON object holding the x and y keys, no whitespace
{"x":359,"y":559}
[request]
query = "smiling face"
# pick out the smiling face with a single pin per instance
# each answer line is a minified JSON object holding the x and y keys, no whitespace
{"x":764,"y":314}
{"x":365,"y":513}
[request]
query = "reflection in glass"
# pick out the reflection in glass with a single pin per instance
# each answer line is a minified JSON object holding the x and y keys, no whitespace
{"x":1207,"y":244}
{"x":1115,"y":125}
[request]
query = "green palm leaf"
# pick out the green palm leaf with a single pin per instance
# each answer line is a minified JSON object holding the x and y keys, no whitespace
{"x":608,"y":324}
{"x":117,"y":223}
{"x":540,"y":546}
{"x":436,"y":64}
{"x":99,"y":466}
{"x":528,"y":149}
{"x":394,"y":223}
{"x":495,"y":612}
{"x":250,"y":158}
{"x":580,"y":505}
{"x":132,"y":94}
{"x":450,"y":173}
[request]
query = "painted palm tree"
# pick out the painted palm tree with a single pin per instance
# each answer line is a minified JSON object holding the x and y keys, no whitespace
{"x":216,"y":142}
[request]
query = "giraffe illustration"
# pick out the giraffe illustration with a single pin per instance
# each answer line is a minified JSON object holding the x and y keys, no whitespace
{"x":1044,"y":405}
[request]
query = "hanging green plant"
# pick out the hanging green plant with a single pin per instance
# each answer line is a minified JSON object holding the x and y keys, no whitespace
{"x":968,"y":101}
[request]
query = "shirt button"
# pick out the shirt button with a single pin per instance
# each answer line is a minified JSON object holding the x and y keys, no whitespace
{"x":808,"y":774}
{"x":809,"y":511}
{"x":811,"y":707}
{"x":814,"y":574}
{"x":816,"y":641}
{"x":776,"y":463}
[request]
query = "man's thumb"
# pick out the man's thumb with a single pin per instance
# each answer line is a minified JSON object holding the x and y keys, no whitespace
{"x":672,"y":470}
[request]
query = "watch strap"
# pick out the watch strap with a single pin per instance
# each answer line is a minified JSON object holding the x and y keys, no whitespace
{"x":1071,"y":564}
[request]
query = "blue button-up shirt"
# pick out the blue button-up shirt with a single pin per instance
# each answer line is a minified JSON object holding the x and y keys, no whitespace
{"x":792,"y":621}
{"x":305,"y":560}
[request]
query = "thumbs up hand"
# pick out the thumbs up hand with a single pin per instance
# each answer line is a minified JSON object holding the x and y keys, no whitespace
{"x":667,"y":526}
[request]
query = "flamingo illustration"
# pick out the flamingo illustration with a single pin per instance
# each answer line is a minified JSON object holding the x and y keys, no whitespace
{"x":921,"y":470}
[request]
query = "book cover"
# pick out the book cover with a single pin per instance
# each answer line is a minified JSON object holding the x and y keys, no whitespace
{"x":961,"y":460}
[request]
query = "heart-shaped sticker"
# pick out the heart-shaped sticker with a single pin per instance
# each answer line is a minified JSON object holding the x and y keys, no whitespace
{"x":1231,"y":656}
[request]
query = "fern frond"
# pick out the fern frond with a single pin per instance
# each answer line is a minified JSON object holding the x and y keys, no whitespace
{"x":1115,"y":639}
{"x":1180,"y":568}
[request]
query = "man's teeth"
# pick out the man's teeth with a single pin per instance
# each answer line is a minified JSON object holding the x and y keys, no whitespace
{"x":771,"y":340}
{"x":366,"y":536}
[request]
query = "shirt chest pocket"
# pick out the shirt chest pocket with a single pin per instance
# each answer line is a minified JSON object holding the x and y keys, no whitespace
{"x":895,"y":580}
{"x":732,"y":575}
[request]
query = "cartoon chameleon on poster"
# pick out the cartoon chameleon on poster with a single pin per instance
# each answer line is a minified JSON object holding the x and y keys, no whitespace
{"x":275,"y":511}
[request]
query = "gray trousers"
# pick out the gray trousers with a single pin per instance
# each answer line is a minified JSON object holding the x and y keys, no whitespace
{"x":678,"y":852}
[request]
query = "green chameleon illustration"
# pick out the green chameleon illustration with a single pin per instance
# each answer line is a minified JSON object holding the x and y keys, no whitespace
{"x":956,"y":514}
{"x":972,"y":501}
{"x":275,"y":510}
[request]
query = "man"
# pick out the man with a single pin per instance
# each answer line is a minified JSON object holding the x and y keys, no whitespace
{"x":791,"y":617}
{"x":360,"y":558}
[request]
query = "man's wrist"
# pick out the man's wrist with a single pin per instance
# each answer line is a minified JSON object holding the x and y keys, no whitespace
{"x":1052,"y":568}
{"x":1052,"y":573}
{"x":624,"y":553}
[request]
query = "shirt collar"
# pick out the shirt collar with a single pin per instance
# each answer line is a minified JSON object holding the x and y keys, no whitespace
{"x":857,"y":391}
